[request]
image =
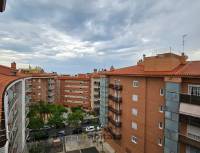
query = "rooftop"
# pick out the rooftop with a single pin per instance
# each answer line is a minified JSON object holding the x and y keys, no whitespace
{"x":161,"y":65}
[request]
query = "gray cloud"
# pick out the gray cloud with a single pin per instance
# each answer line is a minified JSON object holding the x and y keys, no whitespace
{"x":78,"y":35}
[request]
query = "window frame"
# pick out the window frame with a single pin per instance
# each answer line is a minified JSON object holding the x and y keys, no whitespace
{"x":162,"y":91}
{"x":135,"y":83}
{"x":135,"y":140}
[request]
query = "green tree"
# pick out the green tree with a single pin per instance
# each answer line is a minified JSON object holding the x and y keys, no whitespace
{"x":75,"y":118}
{"x":56,"y":120}
{"x":43,"y":112}
{"x":35,"y":122}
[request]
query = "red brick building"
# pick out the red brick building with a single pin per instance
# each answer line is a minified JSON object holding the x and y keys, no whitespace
{"x":75,"y":90}
{"x":154,"y":107}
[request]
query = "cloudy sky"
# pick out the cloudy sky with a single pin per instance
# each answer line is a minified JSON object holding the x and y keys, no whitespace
{"x":72,"y":36}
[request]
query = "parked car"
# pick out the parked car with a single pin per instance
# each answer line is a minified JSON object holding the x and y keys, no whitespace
{"x":98,"y":128}
{"x":90,"y":129}
{"x":61,"y":133}
{"x":46,"y":127}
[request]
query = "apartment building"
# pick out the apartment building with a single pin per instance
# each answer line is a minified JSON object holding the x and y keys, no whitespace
{"x":13,"y":110}
{"x":95,"y":92}
{"x":2,"y":5}
{"x":42,"y":86}
{"x":153,"y":107}
{"x":75,"y":90}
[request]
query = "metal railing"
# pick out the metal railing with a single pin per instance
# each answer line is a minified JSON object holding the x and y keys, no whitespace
{"x":190,"y":99}
{"x":115,"y":99}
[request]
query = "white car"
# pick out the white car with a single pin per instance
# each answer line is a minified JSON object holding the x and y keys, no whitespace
{"x":90,"y":129}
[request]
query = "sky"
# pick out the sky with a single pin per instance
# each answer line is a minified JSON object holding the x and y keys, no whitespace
{"x":76,"y":36}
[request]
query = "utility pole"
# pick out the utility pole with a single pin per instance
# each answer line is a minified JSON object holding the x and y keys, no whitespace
{"x":183,"y":37}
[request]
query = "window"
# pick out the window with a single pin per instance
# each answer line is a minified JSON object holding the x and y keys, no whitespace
{"x":135,"y":97}
{"x":39,"y":94}
{"x":135,"y":83}
{"x":134,"y":125}
{"x":39,"y":80}
{"x":162,"y":92}
{"x":194,"y":90}
{"x":39,"y":87}
{"x":160,"y":143}
{"x":134,"y":139}
{"x":161,"y":109}
{"x":134,"y":111}
{"x":160,"y":125}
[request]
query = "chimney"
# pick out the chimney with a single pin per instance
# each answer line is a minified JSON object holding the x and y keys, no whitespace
{"x":13,"y":65}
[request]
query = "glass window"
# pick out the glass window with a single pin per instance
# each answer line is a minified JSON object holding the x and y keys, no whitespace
{"x":135,"y":97}
{"x":135,"y":83}
{"x":134,"y":111}
{"x":134,"y":139}
{"x":162,"y":92}
{"x":134,"y":125}
{"x":161,"y":109}
{"x":160,"y":125}
{"x":160,"y":143}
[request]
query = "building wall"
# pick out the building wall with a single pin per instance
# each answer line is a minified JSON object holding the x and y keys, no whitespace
{"x":95,"y":94}
{"x":185,"y":126}
{"x":43,"y":89}
{"x":148,"y":116}
{"x":75,"y":91}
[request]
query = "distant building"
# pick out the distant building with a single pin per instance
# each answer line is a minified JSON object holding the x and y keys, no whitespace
{"x":154,"y":106}
{"x":42,"y":85}
{"x":95,"y":92}
{"x":2,"y":5}
{"x":75,"y":90}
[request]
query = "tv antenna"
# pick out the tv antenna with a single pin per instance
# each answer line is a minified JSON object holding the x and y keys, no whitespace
{"x":183,"y":37}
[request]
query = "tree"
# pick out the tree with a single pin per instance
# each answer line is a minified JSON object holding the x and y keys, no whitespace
{"x":44,"y":112}
{"x":56,"y":120}
{"x":75,"y":118}
{"x":35,"y":122}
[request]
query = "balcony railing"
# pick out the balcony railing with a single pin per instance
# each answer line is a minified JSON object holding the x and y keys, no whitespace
{"x":96,"y":101}
{"x":50,"y":94}
{"x":97,"y":96}
{"x":114,"y":122}
{"x":190,"y":139}
{"x":116,"y":136}
{"x":115,"y":99}
{"x":97,"y":83}
{"x":51,"y":87}
{"x":190,"y":99}
{"x":50,"y":100}
{"x":116,"y":111}
{"x":190,"y":120}
{"x":115,"y":87}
